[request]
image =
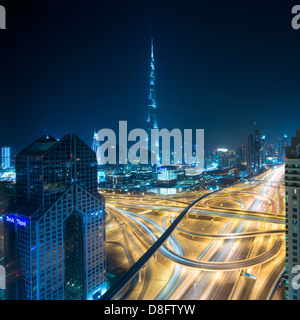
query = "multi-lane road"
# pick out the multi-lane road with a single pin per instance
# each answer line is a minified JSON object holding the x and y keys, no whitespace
{"x":231,"y":245}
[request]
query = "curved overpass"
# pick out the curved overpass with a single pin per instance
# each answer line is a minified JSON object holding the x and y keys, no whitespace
{"x":233,"y":235}
{"x":133,"y":271}
{"x":228,"y":213}
{"x":223,"y":266}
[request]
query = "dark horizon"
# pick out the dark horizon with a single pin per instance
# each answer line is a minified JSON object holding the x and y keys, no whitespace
{"x":69,"y":67}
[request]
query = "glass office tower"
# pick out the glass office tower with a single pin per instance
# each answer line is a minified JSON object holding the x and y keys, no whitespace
{"x":54,"y":245}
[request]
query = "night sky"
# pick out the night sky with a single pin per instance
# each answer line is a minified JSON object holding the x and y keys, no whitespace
{"x":73,"y":66}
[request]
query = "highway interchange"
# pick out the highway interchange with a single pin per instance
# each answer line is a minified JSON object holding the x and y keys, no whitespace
{"x":231,"y":245}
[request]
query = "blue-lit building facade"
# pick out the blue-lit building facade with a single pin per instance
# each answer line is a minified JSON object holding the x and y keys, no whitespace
{"x":257,"y":147}
{"x":253,"y":152}
{"x":54,"y":235}
{"x":96,"y":142}
{"x":5,"y":158}
{"x":167,"y":176}
{"x":263,"y":149}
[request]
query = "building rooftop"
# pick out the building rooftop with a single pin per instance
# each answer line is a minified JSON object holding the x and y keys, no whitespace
{"x":39,"y":147}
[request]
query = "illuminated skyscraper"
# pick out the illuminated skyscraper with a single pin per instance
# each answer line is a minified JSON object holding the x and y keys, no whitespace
{"x":5,"y":158}
{"x":240,"y":154}
{"x":257,"y":146}
{"x":96,"y":142}
{"x":271,"y":153}
{"x":285,"y":140}
{"x":263,"y":150}
{"x":54,"y":245}
{"x":152,"y":116}
{"x":250,"y":154}
{"x":281,"y":146}
{"x":253,"y":152}
{"x":292,"y":191}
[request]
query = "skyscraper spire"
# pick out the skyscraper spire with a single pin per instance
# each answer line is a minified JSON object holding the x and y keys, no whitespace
{"x":152,"y":117}
{"x":152,"y":52}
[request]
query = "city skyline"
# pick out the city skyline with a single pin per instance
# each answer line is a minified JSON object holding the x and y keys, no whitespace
{"x":209,"y":79}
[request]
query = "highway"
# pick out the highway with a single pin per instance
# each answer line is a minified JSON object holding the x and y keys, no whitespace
{"x":207,"y":254}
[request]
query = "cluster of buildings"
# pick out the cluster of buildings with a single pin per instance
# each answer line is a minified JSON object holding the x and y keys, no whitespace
{"x":241,"y":162}
{"x":223,"y":159}
{"x":244,"y":161}
{"x":259,"y":153}
{"x":166,"y":179}
{"x":55,"y":230}
{"x":136,"y":177}
{"x":252,"y":157}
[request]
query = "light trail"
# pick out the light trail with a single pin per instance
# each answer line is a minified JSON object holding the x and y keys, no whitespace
{"x":208,"y":265}
{"x":217,"y":262}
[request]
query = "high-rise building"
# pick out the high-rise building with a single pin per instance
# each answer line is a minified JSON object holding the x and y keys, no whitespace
{"x":285,"y":141}
{"x":271,"y":153}
{"x":96,"y":142}
{"x":240,"y":154}
{"x":292,"y":191}
{"x":263,"y":149}
{"x":281,"y":145}
{"x":208,"y":159}
{"x":54,"y":235}
{"x":152,"y":116}
{"x":257,"y":146}
{"x":250,"y":154}
{"x":222,"y":158}
{"x":253,"y":152}
{"x":5,"y":158}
